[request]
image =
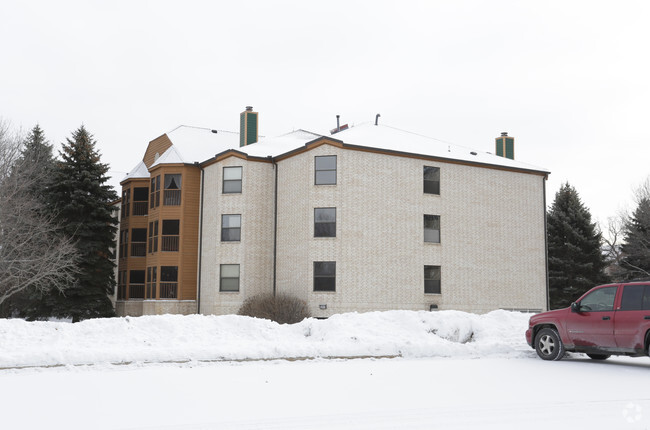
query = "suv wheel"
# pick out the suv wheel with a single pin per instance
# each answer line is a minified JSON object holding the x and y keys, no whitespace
{"x":598,"y":356}
{"x":548,"y":344}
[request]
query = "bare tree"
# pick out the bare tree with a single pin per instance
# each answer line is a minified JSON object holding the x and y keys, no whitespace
{"x":612,"y":241}
{"x":636,"y":230}
{"x":33,"y":254}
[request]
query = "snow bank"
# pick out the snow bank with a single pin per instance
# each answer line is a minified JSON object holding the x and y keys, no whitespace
{"x":231,"y":337}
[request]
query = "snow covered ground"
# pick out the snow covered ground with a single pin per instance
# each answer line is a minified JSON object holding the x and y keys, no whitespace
{"x":453,"y":371}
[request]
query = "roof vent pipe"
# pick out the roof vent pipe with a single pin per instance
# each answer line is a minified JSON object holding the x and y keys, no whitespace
{"x":377,"y":119}
{"x":338,"y":127}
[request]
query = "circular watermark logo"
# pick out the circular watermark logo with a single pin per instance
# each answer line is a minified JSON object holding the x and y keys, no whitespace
{"x":632,"y":413}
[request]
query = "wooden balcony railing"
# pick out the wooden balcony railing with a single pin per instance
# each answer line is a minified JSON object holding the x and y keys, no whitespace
{"x":169,"y":243}
{"x":168,"y":290}
{"x":136,"y":291}
{"x":138,"y":249}
{"x":172,"y":197}
{"x":140,"y":208}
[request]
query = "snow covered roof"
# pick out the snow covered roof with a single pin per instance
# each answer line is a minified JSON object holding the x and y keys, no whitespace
{"x":389,"y":138}
{"x":386,"y":138}
{"x":198,"y":144}
{"x":139,"y":171}
{"x":275,"y":146}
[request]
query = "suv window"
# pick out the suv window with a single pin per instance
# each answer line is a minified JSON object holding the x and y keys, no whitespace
{"x":635,"y":298}
{"x":599,"y":300}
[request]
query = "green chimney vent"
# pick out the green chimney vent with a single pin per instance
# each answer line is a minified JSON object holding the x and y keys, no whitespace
{"x":505,"y":146}
{"x":247,"y":127}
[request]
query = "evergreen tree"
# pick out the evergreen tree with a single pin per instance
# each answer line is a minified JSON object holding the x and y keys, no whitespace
{"x":636,"y":248}
{"x":575,"y":260}
{"x":83,"y":206}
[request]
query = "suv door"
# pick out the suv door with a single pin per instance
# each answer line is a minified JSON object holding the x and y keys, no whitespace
{"x":632,"y":319}
{"x":593,"y":324}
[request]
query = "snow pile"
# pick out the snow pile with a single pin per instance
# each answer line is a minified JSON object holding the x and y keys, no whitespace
{"x":231,"y":337}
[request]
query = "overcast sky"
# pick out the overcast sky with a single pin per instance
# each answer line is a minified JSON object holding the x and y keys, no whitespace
{"x":568,"y":79}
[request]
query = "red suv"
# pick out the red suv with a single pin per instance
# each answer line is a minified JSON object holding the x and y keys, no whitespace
{"x":607,"y":320}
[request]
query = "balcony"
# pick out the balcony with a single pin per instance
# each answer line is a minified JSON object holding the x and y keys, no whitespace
{"x":140,"y":208}
{"x":172,"y":198}
{"x":169,"y":243}
{"x":168,"y":290}
{"x":136,"y":291}
{"x":121,"y":292}
{"x":138,"y":249}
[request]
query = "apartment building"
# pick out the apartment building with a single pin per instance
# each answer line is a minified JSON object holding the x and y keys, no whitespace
{"x":369,"y":218}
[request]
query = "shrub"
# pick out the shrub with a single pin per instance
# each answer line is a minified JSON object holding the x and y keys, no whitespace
{"x":281,"y":308}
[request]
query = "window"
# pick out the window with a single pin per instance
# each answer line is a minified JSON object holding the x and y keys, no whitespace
{"x":432,"y":279}
{"x":601,"y":299}
{"x":153,"y":236}
{"x":121,"y":285}
{"x":635,"y":298}
{"x":126,"y":203}
{"x":431,"y":180}
{"x":324,"y":275}
{"x":230,"y":228}
{"x":172,"y":194}
{"x":140,"y":195}
{"x":325,"y":170}
{"x":432,"y":228}
{"x":136,"y":284}
{"x":138,"y":242}
{"x":170,"y":235}
{"x":232,"y":179}
{"x":124,"y":244}
{"x":168,"y":282}
{"x":155,"y":192}
{"x":325,"y":222}
{"x":229,"y":277}
{"x":151,"y":282}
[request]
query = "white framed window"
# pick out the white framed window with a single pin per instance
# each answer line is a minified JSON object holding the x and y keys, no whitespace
{"x":324,"y":275}
{"x":325,"y":170}
{"x":232,"y":179}
{"x":230,"y":228}
{"x":229,"y":278}
{"x":325,"y":222}
{"x":432,"y":228}
{"x":432,"y":279}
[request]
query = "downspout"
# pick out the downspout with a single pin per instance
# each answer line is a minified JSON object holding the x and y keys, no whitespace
{"x":198,"y":293}
{"x":548,"y":293}
{"x":275,"y":223}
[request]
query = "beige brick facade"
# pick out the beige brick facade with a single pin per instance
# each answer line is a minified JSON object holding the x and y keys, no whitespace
{"x":492,"y":250}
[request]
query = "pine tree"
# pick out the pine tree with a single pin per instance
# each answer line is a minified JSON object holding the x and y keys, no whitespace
{"x":575,"y":260}
{"x":636,"y":248}
{"x":83,"y":206}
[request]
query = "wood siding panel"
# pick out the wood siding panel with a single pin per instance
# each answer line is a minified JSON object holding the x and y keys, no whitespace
{"x":157,"y":146}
